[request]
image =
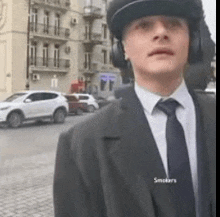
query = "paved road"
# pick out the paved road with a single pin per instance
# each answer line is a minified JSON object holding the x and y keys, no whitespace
{"x":27,"y":166}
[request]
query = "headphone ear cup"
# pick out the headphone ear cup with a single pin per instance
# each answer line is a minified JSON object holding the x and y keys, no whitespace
{"x":118,"y":56}
{"x":196,"y":51}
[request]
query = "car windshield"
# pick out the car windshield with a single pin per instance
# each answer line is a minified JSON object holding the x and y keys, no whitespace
{"x":14,"y":97}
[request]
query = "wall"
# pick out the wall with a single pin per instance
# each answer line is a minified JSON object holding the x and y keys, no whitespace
{"x":5,"y":45}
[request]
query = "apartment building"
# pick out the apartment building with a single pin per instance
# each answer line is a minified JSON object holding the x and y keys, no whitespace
{"x":99,"y":74}
{"x":68,"y":42}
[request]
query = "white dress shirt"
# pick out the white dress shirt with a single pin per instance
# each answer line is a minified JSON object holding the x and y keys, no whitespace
{"x":157,"y":120}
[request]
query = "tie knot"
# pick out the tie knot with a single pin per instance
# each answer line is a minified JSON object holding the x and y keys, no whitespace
{"x":168,"y":107}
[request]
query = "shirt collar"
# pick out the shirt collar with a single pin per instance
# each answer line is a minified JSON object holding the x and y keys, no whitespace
{"x":181,"y":95}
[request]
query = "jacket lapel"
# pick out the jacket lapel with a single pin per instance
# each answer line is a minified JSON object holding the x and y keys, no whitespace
{"x":137,"y":158}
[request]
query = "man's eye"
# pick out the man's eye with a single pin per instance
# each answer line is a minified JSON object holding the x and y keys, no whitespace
{"x":174,"y":23}
{"x":144,"y":25}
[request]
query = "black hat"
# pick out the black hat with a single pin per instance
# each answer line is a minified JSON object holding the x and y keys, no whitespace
{"x":122,"y":12}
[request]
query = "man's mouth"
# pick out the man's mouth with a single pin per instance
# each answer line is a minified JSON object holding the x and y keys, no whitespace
{"x":162,"y":51}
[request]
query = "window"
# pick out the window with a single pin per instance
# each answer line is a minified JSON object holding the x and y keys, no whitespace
{"x":34,"y":19}
{"x":35,"y":97}
{"x":14,"y":97}
{"x":48,"y":96}
{"x":33,"y":55}
{"x":88,"y":61}
{"x":111,"y":83}
{"x":105,"y":31}
{"x":45,"y":55}
{"x":87,"y":32}
{"x":104,"y":53}
{"x":57,"y":56}
{"x":57,"y":25}
{"x":110,"y":58}
{"x":46,"y":22}
{"x":103,"y":82}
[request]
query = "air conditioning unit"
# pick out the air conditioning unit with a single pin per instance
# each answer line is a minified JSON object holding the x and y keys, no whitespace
{"x":35,"y":77}
{"x":68,"y":49}
{"x":73,"y":21}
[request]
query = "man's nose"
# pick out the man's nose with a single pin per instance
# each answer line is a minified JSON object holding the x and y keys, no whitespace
{"x":160,"y":32}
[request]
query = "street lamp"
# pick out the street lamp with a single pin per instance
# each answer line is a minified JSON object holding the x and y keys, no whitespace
{"x":27,"y":86}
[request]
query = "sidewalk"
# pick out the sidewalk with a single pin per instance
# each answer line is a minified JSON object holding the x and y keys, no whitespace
{"x":26,"y":186}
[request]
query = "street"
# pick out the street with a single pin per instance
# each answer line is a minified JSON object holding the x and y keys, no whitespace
{"x":27,"y":157}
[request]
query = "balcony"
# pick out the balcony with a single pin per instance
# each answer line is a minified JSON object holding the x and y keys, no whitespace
{"x":61,"y":5}
{"x":101,"y":67}
{"x":92,"y":39}
{"x":96,"y":67}
{"x":49,"y":65}
{"x":89,"y":69}
{"x":92,"y":12}
{"x":49,"y":32}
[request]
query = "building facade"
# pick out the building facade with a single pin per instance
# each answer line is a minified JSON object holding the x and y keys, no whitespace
{"x":68,"y":42}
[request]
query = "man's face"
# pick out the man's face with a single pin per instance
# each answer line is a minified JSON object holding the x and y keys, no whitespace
{"x":157,"y":45}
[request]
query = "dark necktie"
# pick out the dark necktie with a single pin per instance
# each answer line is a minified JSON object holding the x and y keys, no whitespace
{"x":178,"y":161}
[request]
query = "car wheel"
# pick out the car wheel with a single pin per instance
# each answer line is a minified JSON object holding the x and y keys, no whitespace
{"x":14,"y":120}
{"x":79,"y":112}
{"x":59,"y":116}
{"x":91,"y":108}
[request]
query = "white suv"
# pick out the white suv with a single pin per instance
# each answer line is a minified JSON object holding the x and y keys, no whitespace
{"x":33,"y":105}
{"x":89,"y":99}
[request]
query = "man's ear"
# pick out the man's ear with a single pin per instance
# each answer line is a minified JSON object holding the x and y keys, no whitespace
{"x":118,"y":55}
{"x":126,"y":57}
{"x":125,"y":53}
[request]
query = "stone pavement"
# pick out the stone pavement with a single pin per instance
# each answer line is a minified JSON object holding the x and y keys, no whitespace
{"x":26,"y":186}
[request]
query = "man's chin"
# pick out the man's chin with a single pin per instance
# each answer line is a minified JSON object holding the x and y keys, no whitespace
{"x":165,"y":71}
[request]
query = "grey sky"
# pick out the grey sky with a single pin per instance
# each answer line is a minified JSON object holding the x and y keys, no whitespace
{"x":210,"y":15}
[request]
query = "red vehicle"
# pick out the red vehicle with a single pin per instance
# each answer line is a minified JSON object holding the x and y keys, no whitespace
{"x":75,"y":106}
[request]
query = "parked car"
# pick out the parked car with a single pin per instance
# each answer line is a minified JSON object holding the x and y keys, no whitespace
{"x":33,"y":105}
{"x":89,"y":99}
{"x":75,"y":106}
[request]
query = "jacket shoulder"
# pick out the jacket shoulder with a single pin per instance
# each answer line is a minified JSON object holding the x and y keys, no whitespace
{"x":207,"y":103}
{"x":93,"y":128}
{"x":82,"y":142}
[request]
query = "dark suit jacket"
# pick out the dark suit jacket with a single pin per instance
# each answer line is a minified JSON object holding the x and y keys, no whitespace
{"x":105,"y":167}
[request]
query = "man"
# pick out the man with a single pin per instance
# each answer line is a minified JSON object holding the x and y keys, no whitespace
{"x":150,"y":153}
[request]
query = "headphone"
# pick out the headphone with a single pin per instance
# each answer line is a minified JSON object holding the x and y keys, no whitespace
{"x":195,"y":52}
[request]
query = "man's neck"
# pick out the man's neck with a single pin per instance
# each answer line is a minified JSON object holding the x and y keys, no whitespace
{"x":163,"y":87}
